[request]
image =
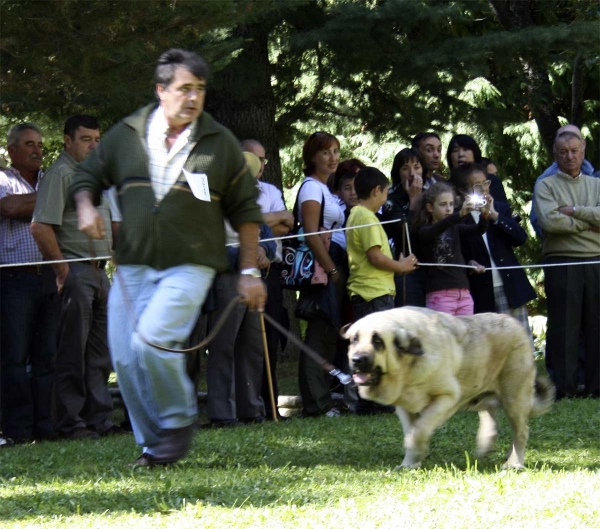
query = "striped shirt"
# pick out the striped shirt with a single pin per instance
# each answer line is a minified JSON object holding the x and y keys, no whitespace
{"x":16,"y":242}
{"x":166,"y":165}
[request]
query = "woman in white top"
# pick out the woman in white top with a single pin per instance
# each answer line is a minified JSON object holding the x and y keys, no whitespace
{"x":321,"y":155}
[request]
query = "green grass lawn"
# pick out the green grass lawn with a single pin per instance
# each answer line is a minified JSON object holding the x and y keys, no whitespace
{"x":315,"y":473}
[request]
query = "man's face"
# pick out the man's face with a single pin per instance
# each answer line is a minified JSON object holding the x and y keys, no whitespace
{"x":569,"y":155}
{"x":258,"y":150}
{"x":431,"y":151}
{"x":28,"y":153}
{"x":85,"y":141}
{"x":183,"y":99}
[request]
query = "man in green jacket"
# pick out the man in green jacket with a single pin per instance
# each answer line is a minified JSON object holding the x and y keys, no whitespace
{"x":179,"y":175}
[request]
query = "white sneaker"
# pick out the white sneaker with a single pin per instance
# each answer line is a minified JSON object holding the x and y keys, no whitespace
{"x":5,"y":441}
{"x":333,"y":413}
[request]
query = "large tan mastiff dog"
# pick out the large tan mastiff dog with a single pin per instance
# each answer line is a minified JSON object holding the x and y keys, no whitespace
{"x":429,"y":365}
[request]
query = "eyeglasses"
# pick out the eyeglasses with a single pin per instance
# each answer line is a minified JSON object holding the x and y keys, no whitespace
{"x":264,"y":161}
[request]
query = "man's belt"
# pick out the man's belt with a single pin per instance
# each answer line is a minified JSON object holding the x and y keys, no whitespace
{"x":96,"y":264}
{"x":31,"y":269}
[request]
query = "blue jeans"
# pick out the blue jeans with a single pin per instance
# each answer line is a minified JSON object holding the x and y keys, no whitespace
{"x":163,"y":307}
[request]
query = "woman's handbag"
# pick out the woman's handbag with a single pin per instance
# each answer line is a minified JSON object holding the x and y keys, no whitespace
{"x":299,"y":268}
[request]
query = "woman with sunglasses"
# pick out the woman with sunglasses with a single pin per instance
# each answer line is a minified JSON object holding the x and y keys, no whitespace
{"x":321,"y":156}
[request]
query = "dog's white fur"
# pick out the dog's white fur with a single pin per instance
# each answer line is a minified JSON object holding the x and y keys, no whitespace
{"x":433,"y":364}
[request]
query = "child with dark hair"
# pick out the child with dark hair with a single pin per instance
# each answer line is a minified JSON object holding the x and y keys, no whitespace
{"x":440,"y":230}
{"x":371,"y":282}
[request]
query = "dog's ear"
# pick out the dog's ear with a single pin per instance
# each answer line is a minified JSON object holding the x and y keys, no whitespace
{"x":344,"y":330}
{"x":408,"y":343}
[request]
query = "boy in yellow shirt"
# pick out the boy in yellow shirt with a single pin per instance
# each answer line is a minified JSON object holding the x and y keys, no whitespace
{"x":371,"y":282}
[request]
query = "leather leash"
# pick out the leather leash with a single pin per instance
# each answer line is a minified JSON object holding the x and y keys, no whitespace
{"x":344,"y":378}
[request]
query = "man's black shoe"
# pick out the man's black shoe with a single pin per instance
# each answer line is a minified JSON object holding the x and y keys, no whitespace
{"x":80,"y":433}
{"x":223,"y":423}
{"x":149,"y":461}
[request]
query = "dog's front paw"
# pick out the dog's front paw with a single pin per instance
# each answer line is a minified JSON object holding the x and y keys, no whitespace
{"x":410,"y":462}
{"x":513,"y":466}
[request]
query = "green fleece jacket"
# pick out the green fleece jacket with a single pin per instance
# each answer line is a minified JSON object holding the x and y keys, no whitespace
{"x":180,"y":229}
{"x":564,"y":235}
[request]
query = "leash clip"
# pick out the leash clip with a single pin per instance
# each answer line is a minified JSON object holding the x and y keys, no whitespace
{"x":344,"y":378}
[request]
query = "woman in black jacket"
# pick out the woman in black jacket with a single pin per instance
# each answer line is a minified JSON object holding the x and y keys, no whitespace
{"x":504,"y":291}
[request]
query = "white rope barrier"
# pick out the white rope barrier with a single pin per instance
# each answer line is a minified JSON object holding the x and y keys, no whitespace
{"x":470,"y":267}
{"x":57,"y":261}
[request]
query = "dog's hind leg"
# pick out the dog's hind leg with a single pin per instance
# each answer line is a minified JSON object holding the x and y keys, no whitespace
{"x":516,"y":456}
{"x":518,"y":408}
{"x":487,"y":432}
{"x":516,"y":396}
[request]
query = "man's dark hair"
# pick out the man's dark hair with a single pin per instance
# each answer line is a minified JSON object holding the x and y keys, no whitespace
{"x":367,"y":179}
{"x":416,"y":141}
{"x":175,"y":58}
{"x":81,"y":120}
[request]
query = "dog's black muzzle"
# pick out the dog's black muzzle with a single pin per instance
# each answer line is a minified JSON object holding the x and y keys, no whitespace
{"x":364,"y":373}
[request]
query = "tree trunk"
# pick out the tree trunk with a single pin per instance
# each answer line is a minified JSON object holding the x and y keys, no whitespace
{"x":577,"y":91}
{"x":516,"y":14}
{"x":242,"y":98}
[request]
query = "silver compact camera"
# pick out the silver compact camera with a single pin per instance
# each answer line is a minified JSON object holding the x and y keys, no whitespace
{"x":478,"y":201}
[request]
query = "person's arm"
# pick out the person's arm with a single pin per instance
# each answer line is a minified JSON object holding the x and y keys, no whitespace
{"x":404,"y":265}
{"x":89,"y":219}
{"x":115,"y":227}
{"x":45,"y":238}
{"x":550,"y":218}
{"x":430,"y":231}
{"x":533,"y":215}
{"x":311,"y":212}
{"x":280,"y":222}
{"x":505,"y":226}
{"x":414,"y":191}
{"x":252,"y":289}
{"x":18,"y":207}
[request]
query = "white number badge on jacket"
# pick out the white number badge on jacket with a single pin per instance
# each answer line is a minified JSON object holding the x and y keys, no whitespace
{"x":198,"y":184}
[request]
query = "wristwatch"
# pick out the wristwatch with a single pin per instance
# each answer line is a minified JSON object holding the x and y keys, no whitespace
{"x":254,"y":272}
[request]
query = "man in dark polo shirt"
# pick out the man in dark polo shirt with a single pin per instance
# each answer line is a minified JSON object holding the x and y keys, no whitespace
{"x":83,"y":403}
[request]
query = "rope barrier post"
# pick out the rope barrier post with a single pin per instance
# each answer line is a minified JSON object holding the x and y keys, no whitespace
{"x":268,"y":366}
{"x":404,"y":275}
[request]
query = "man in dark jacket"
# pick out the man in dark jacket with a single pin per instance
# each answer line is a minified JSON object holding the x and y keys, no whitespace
{"x":179,"y":176}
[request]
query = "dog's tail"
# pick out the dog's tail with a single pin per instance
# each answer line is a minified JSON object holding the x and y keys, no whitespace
{"x":544,"y":395}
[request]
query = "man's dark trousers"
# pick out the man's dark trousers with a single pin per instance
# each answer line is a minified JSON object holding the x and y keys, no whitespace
{"x":28,"y":318}
{"x":235,"y":358}
{"x":83,"y":364}
{"x":573,"y":312}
